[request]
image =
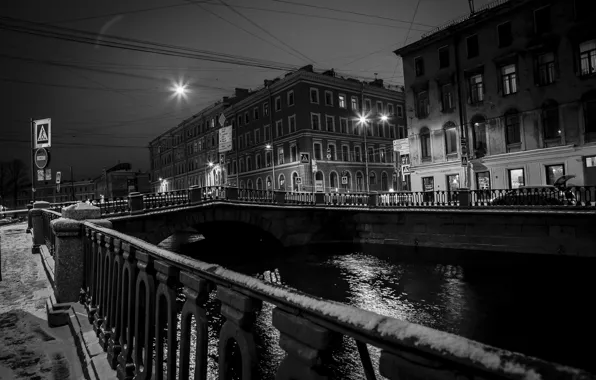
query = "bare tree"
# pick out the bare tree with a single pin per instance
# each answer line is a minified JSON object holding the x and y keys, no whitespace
{"x":18,"y":178}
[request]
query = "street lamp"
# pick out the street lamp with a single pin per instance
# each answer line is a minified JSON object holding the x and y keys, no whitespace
{"x":363,"y":121}
{"x":269,"y":147}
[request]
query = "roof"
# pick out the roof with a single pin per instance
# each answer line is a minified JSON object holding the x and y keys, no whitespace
{"x":483,"y":13}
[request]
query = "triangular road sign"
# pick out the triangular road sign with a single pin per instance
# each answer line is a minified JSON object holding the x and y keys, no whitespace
{"x":43,"y":136}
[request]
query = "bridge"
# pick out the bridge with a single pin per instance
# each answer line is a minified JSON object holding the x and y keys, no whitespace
{"x":129,"y":289}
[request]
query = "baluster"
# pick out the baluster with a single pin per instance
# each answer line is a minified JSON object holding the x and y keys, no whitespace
{"x":196,"y":291}
{"x":114,"y":319}
{"x":85,"y":296}
{"x":240,"y":313}
{"x":144,"y":312}
{"x":106,"y":328}
{"x":101,"y":283}
{"x":165,"y":319}
{"x":307,"y":346}
{"x":126,"y":366}
{"x":92,"y":310}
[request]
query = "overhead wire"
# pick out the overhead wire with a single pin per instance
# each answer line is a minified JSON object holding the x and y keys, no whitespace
{"x":407,"y":35}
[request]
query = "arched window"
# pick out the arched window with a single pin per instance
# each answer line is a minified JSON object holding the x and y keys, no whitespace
{"x":512,"y":131}
{"x":319,"y":181}
{"x":359,"y":182}
{"x":450,"y":138}
{"x":333,"y":180}
{"x":348,"y":185}
{"x":394,"y":179}
{"x":242,"y":184}
{"x":425,"y":143}
{"x":282,"y":182}
{"x":294,"y":181}
{"x":589,"y":106}
{"x":372,"y":178}
{"x":479,"y":129}
{"x":550,"y":120}
{"x":384,"y":182}
{"x":259,"y":184}
{"x":249,"y":184}
{"x":268,"y":183}
{"x":258,"y":161}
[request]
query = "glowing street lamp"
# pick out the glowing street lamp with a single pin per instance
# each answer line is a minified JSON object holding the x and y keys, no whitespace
{"x":384,"y":118}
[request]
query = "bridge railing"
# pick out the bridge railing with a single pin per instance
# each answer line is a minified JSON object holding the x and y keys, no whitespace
{"x":166,"y":199}
{"x":49,"y":237}
{"x":347,"y":199}
{"x":257,"y":196}
{"x":299,"y":198}
{"x":131,"y":293}
{"x":439,"y":198}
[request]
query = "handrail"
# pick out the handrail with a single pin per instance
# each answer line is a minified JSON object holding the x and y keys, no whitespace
{"x":111,"y":262}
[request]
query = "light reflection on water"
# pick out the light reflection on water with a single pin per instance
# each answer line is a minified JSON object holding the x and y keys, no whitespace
{"x":508,"y":307}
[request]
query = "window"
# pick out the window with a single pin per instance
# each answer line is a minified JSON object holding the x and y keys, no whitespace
{"x":259,"y":184}
{"x":450,"y":138}
{"x":279,"y":128}
{"x":419,"y":66}
{"x":331,"y":152}
{"x":242,"y":165}
{"x":382,"y":157}
{"x":239,"y":120}
{"x":357,"y":154}
{"x":328,"y":98}
{"x":258,"y":161}
{"x":367,"y":105}
{"x":330,"y":123}
{"x":345,"y":153}
{"x":483,"y":180}
{"x":356,"y":130}
{"x":472,"y":46}
{"x":290,"y":98}
{"x":278,"y":104}
{"x":447,"y":97}
{"x":542,"y":20}
{"x":422,"y":104}
{"x":452,"y":182}
{"x":401,"y":132}
{"x":587,"y":57}
{"x":292,"y":123}
{"x":379,"y":107}
{"x":392,"y":131}
{"x":256,"y":113}
{"x":509,"y":79}
{"x":516,"y":178}
{"x":265,"y":109}
{"x":268,"y":158}
{"x":554,"y":172}
{"x":280,"y":156}
{"x":589,"y":106}
{"x":257,"y":136}
{"x":546,"y":69}
{"x":318,"y":151}
{"x":381,"y":127}
{"x":390,"y":109}
{"x":293,"y":153}
{"x":333,"y":180}
{"x":444,"y":57}
{"x":354,"y":101}
{"x":246,"y":118}
{"x":512,"y":132}
{"x":343,"y":125}
{"x":476,"y":89}
{"x":505,"y":34}
{"x":314,"y":95}
{"x":400,"y":110}
{"x":342,"y":101}
{"x":315,"y":121}
{"x":267,"y":133}
{"x":372,"y":178}
{"x":550,"y":120}
{"x":479,"y":129}
{"x":359,"y":182}
{"x":281,"y":182}
{"x":425,"y":144}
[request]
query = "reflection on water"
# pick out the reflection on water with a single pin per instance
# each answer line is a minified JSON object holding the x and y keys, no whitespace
{"x":512,"y":302}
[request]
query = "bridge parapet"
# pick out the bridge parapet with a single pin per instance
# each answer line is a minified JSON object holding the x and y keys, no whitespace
{"x":309,"y":327}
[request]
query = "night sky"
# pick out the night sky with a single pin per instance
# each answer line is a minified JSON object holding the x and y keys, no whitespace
{"x":106,"y":104}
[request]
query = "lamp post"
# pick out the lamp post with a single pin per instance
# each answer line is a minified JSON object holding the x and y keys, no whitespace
{"x":269,"y":147}
{"x":363,"y":122}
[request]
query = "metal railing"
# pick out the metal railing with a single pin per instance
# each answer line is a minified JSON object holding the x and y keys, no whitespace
{"x":131,"y":293}
{"x":48,"y":233}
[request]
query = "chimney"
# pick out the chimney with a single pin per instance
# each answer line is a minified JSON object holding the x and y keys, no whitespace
{"x":308,"y":68}
{"x":471,"y":4}
{"x":267,"y":82}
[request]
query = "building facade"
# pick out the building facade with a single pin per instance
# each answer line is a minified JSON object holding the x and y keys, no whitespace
{"x":504,"y":97}
{"x":119,"y":180}
{"x":307,"y":131}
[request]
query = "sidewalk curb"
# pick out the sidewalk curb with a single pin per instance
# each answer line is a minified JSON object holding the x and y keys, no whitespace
{"x":93,"y":358}
{"x":48,"y":264}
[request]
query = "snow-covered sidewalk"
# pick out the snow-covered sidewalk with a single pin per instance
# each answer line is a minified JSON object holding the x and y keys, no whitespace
{"x":28,"y":347}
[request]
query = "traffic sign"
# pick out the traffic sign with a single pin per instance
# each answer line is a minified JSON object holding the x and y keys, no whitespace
{"x":222,"y":119}
{"x":298,"y":180}
{"x":222,"y":158}
{"x":41,"y":174}
{"x":464,"y":161}
{"x":58,"y":178}
{"x":344,"y":180}
{"x":41,"y":158}
{"x":48,"y":174}
{"x":304,"y":157}
{"x":463,"y":141}
{"x":42,"y":130}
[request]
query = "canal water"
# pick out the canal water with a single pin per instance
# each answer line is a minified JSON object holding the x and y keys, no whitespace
{"x":538,"y":305}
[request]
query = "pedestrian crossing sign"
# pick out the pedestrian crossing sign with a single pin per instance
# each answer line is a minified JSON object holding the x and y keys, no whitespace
{"x":42,"y":130}
{"x":304,"y":157}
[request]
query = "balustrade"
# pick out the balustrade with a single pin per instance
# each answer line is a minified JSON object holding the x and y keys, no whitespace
{"x":131,"y":289}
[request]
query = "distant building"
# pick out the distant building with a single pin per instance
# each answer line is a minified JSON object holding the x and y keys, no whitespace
{"x":504,"y":97}
{"x":299,"y":132}
{"x":118,"y":181}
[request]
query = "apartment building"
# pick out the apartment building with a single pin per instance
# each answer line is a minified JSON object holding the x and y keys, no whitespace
{"x":307,"y":131}
{"x":503,"y":97}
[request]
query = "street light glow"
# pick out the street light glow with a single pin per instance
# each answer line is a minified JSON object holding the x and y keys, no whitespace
{"x":161,"y":179}
{"x":384,"y":118}
{"x":268,"y":146}
{"x":180,"y":89}
{"x":363,"y":119}
{"x":211,"y":164}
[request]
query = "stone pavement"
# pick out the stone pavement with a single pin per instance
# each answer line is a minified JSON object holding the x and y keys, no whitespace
{"x":29,"y":349}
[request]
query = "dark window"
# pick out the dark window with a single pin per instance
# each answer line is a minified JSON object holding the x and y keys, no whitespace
{"x":419,"y":66}
{"x":583,"y":9}
{"x":447,"y":97}
{"x":542,"y":20}
{"x":318,"y":152}
{"x":472,"y":45}
{"x":590,"y":118}
{"x":505,"y":34}
{"x":553,"y":172}
{"x":587,"y":57}
{"x":545,"y":64}
{"x":550,"y":120}
{"x":425,"y":143}
{"x":450,"y":138}
{"x":509,"y":79}
{"x":422,"y":104}
{"x":277,"y":104}
{"x":512,"y":132}
{"x":444,"y":57}
{"x":314,"y":95}
{"x":476,"y":89}
{"x":479,"y":124}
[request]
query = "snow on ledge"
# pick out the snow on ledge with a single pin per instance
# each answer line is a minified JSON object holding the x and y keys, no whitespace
{"x":398,"y":331}
{"x":81,"y":206}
